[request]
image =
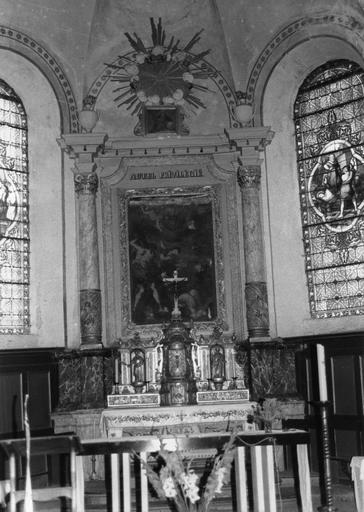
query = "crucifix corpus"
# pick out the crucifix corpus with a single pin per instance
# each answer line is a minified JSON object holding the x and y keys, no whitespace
{"x":175,"y":280}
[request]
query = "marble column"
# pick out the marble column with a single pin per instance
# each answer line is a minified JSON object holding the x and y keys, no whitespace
{"x":83,"y":148}
{"x":255,"y":284}
{"x":90,"y":294}
{"x":249,"y":142}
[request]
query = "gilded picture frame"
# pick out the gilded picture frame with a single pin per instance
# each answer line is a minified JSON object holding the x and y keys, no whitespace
{"x":167,"y":230}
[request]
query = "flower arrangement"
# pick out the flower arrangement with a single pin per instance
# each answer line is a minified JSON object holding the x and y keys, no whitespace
{"x":177,"y":482}
{"x":161,"y":75}
{"x":266,"y":412}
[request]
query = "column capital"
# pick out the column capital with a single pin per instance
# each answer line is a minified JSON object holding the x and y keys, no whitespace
{"x":86,"y":183}
{"x":82,"y":147}
{"x":250,"y":137}
{"x":249,"y":176}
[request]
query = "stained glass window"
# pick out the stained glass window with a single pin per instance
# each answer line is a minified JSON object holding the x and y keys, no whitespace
{"x":14,"y":218}
{"x":329,"y":121}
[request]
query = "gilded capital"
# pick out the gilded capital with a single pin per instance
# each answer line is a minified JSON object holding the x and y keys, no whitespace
{"x":86,"y":183}
{"x":249,"y":177}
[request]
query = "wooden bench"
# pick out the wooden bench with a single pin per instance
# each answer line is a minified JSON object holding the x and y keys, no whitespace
{"x":48,"y":445}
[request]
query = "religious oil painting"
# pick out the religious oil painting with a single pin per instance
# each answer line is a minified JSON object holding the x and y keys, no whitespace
{"x":171,"y":236}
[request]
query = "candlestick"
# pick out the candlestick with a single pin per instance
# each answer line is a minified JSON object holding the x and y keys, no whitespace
{"x":116,"y":374}
{"x":321,"y":368}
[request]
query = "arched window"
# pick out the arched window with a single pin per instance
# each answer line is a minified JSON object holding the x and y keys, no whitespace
{"x":14,"y":218}
{"x":329,"y":121}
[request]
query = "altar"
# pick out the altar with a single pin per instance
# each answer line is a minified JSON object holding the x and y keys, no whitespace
{"x":184,"y":288}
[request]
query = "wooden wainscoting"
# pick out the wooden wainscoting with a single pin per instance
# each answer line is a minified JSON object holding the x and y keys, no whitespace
{"x":32,"y":372}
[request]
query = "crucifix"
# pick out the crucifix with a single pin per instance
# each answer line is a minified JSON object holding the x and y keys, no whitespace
{"x":175,"y":280}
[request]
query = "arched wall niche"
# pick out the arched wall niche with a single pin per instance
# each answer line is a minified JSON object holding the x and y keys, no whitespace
{"x":336,"y":26}
{"x":51,"y":205}
{"x":282,"y":216}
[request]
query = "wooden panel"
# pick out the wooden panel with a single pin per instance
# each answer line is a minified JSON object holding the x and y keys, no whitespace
{"x":10,"y":402}
{"x":346,"y":442}
{"x":343,"y":384}
{"x":32,"y":372}
{"x":38,"y":385}
{"x":345,"y":378}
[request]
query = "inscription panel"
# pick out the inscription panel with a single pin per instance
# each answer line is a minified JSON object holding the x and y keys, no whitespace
{"x":167,"y":174}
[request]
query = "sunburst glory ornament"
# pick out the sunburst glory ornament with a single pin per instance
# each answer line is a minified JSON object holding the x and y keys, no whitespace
{"x":163,"y":74}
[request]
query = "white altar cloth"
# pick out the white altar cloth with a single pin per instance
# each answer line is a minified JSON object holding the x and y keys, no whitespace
{"x":186,"y":419}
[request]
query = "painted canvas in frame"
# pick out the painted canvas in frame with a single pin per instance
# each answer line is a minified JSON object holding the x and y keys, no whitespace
{"x":168,"y":233}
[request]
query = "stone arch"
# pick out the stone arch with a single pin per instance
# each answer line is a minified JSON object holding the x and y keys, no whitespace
{"x":337,"y":26}
{"x":20,"y":43}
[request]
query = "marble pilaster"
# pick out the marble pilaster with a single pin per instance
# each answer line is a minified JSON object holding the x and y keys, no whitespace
{"x":90,"y":295}
{"x":83,"y":148}
{"x":255,"y":286}
{"x":250,"y":142}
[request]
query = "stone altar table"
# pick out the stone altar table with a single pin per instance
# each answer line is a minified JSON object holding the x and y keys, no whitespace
{"x":186,"y":419}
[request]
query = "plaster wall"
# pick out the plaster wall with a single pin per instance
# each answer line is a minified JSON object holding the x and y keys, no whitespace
{"x":182,"y":20}
{"x":282,"y":208}
{"x":47,"y":249}
{"x":87,"y":33}
{"x":249,"y":31}
{"x":63,"y":27}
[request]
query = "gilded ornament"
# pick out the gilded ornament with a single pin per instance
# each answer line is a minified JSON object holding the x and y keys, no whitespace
{"x":164,"y":74}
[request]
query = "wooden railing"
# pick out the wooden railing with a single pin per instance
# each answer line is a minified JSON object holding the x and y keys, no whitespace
{"x":16,"y":449}
{"x":261,"y":470}
{"x":257,"y":466}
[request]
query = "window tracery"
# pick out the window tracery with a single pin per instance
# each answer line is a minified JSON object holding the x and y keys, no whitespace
{"x":14,"y":214}
{"x":329,"y":123}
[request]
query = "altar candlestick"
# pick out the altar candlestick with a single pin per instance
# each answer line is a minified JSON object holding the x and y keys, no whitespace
{"x":321,"y":367}
{"x":28,"y":499}
{"x":116,"y":375}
